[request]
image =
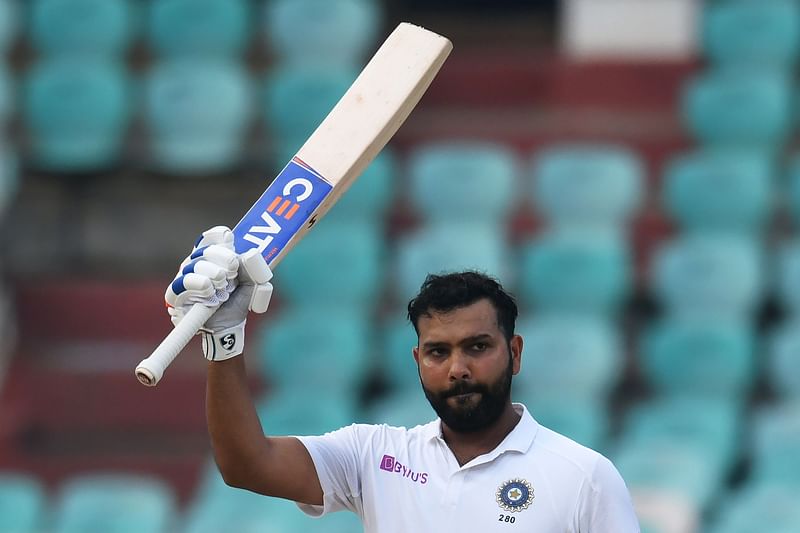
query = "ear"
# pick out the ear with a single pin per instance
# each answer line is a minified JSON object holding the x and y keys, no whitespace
{"x":516,"y":353}
{"x":415,"y":351}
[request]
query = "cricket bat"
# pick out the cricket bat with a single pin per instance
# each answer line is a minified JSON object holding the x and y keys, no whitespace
{"x":347,"y":140}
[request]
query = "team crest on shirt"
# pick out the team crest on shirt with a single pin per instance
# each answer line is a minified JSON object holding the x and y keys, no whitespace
{"x":515,"y":495}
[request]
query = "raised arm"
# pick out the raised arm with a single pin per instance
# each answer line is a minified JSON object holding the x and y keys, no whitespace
{"x":214,"y":275}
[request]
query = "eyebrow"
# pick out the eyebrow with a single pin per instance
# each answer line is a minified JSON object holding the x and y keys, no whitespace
{"x":467,"y":340}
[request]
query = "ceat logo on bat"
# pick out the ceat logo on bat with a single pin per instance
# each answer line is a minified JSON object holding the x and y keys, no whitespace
{"x":282,"y":210}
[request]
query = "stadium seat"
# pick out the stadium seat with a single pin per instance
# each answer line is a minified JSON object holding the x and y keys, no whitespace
{"x":792,"y":189}
{"x":94,"y":28}
{"x":783,"y":361}
{"x":583,"y":271}
{"x":338,"y":32}
{"x":197,"y":113}
{"x":297,"y":98}
{"x":463,"y":181}
{"x":396,"y":363}
{"x":317,"y":348}
{"x":787,"y":283}
{"x":7,"y":90}
{"x":369,"y":199}
{"x":720,"y":190}
{"x":9,"y":24}
{"x":118,"y":503}
{"x":199,"y":29}
{"x":699,"y":357}
{"x":669,"y":467}
{"x":708,"y":273}
{"x":708,"y":426}
{"x":585,"y":184}
{"x":758,"y":508}
{"x":305,"y":410}
{"x":446,"y":247}
{"x":739,"y":108}
{"x":775,"y":441}
{"x":584,"y":420}
{"x":582,"y":354}
{"x":9,"y":177}
{"x":405,"y":408}
{"x":77,"y":113}
{"x":354,"y":250}
{"x":752,"y":33}
{"x":22,"y":504}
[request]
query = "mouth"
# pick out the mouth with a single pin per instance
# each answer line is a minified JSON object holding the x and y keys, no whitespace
{"x":463,"y":398}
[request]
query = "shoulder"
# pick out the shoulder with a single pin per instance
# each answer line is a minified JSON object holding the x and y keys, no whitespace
{"x":567,"y":456}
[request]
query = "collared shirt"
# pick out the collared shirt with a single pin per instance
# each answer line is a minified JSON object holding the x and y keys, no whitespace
{"x":408,"y":480}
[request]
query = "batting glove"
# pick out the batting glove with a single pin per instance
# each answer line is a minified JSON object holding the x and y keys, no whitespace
{"x":215,"y":276}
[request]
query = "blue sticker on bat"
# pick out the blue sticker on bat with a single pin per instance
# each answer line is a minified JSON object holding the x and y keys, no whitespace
{"x":282,"y":210}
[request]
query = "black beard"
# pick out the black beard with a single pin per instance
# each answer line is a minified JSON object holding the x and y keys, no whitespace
{"x":470,"y":419}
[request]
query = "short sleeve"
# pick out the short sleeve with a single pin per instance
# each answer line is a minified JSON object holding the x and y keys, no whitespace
{"x":336,"y":457}
{"x":606,"y":505}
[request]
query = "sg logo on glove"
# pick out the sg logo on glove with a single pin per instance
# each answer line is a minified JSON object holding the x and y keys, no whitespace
{"x":228,"y":341}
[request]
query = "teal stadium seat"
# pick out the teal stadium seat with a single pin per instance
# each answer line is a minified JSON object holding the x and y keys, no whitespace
{"x":218,"y":507}
{"x":576,"y":271}
{"x":580,"y":354}
{"x":720,"y":190}
{"x":86,"y":28}
{"x":340,"y":32}
{"x":700,"y":357}
{"x":397,"y":365}
{"x":463,"y":181}
{"x":295,"y":100}
{"x":198,"y":113}
{"x":317,"y":349}
{"x":757,"y":508}
{"x":23,"y":504}
{"x":77,"y":113}
{"x":9,"y":177}
{"x":739,"y":108}
{"x":114,"y":503}
{"x":783,"y":361}
{"x":586,"y":184}
{"x":199,"y":29}
{"x":752,"y":33}
{"x":670,"y":467}
{"x":298,"y":410}
{"x":584,"y":420}
{"x":7,"y":96}
{"x":708,"y":274}
{"x":9,"y":24}
{"x":446,"y":247}
{"x":787,"y":260}
{"x":708,"y":426}
{"x":775,"y":442}
{"x":356,"y":252}
{"x":792,"y":189}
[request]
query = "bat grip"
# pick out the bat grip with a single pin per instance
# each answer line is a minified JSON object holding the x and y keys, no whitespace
{"x":150,"y":370}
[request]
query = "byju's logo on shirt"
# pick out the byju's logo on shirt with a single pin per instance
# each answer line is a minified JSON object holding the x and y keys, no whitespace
{"x":390,"y":464}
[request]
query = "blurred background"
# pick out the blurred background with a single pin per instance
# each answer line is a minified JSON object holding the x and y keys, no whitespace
{"x":627,"y":168}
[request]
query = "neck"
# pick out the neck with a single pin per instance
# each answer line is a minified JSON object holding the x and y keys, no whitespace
{"x":468,"y":446}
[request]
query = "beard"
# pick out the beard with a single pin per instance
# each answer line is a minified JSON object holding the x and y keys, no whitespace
{"x":469,"y":416}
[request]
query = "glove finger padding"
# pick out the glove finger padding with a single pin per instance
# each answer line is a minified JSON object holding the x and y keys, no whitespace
{"x":253,"y":269}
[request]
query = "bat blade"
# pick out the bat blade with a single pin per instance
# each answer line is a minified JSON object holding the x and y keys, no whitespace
{"x":347,"y":140}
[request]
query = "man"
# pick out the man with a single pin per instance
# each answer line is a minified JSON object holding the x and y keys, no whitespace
{"x":484,"y":465}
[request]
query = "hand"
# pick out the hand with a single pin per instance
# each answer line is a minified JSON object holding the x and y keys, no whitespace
{"x":215,"y":276}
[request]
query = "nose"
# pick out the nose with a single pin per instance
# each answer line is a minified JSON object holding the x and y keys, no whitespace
{"x":459,"y":367}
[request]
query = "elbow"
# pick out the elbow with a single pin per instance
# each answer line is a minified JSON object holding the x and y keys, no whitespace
{"x":234,"y":475}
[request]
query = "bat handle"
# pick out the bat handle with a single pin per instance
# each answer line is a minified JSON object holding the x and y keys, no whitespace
{"x":150,"y":370}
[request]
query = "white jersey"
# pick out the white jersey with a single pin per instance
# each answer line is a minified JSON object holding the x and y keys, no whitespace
{"x":401,"y":480}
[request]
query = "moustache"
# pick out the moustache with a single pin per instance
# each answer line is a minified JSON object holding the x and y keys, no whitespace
{"x":463,"y":388}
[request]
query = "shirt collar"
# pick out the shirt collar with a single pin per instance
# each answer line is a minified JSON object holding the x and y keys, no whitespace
{"x":519,"y":439}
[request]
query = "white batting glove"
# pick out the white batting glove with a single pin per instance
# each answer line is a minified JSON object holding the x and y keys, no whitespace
{"x":215,"y":276}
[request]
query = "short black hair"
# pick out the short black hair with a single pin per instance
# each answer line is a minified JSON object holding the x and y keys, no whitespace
{"x":449,"y":291}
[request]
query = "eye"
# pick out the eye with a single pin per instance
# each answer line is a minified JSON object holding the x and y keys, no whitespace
{"x":436,"y":352}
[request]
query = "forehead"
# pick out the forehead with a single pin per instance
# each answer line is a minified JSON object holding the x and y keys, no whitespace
{"x":475,"y":319}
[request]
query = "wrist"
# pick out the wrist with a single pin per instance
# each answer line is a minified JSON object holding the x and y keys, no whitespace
{"x":223,"y":344}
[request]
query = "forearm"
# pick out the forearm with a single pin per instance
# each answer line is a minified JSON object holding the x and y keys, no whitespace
{"x":237,"y":438}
